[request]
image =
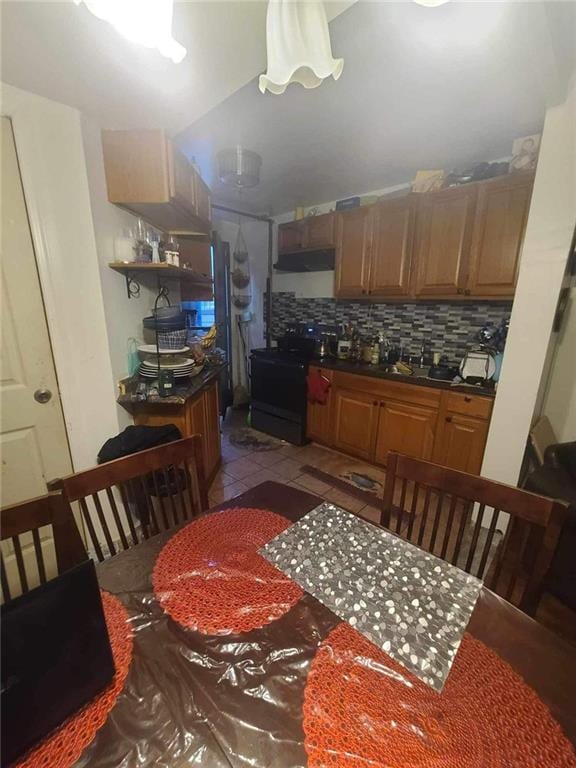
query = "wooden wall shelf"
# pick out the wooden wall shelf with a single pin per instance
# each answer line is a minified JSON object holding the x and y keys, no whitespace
{"x":133,"y":271}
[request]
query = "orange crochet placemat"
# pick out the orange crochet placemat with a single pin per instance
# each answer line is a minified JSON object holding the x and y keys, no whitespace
{"x":362,"y":709}
{"x":64,"y":746}
{"x":209,"y":577}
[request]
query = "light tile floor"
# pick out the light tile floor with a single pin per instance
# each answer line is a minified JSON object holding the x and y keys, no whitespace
{"x":243,"y":468}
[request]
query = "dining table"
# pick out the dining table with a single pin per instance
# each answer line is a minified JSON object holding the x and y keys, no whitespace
{"x":191,"y":698}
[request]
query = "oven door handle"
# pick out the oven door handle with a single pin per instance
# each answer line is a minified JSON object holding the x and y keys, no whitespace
{"x":260,"y":361}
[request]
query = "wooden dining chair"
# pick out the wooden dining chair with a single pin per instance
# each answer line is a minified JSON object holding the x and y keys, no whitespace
{"x":21,"y":521}
{"x":130,"y":499}
{"x":501,"y":534}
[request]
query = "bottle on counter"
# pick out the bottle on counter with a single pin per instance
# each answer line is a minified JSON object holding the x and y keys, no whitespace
{"x":375,"y":356}
{"x":383,"y":348}
{"x":344,"y":343}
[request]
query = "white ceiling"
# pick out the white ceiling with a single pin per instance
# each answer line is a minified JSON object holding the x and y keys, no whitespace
{"x":63,"y":52}
{"x":422,"y":88}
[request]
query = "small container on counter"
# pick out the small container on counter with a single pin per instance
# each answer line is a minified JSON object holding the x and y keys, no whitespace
{"x":344,"y":346}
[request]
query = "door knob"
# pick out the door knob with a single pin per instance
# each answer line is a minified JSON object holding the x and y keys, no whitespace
{"x":42,"y":395}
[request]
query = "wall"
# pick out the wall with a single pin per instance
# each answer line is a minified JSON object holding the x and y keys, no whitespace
{"x":49,"y":144}
{"x":447,"y":328}
{"x":123,"y":315}
{"x":546,"y":246}
{"x":560,"y":395}
{"x":256,"y":237}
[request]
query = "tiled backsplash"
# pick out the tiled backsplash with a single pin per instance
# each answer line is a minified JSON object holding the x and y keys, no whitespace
{"x":448,"y":328}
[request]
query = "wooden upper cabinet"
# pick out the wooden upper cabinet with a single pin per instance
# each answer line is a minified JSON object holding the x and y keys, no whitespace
{"x":445,"y":222}
{"x":291,"y":236}
{"x":202,"y":198}
{"x":501,"y":215}
{"x":392,"y":230}
{"x":353,"y":243}
{"x":181,"y":181}
{"x":149,"y":176}
{"x":319,"y":231}
{"x":312,"y":232}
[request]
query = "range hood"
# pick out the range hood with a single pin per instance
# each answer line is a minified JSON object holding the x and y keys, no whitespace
{"x":312,"y":260}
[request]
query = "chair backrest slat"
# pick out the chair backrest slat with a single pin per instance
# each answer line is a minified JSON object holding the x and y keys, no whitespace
{"x":39,"y":555}
{"x":167,"y":486}
{"x":103,"y":523}
{"x":20,"y":563}
{"x":448,"y":529}
{"x":29,"y":517}
{"x":4,"y":580}
{"x":116,"y":515}
{"x":91,"y":530}
{"x":488,"y":543}
{"x":160,"y":498}
{"x":464,"y":526}
{"x":128,"y":514}
{"x":148,"y":483}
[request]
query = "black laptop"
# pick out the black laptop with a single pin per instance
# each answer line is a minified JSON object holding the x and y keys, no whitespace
{"x":56,"y":656}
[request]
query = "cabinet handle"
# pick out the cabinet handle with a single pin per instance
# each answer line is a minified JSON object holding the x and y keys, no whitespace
{"x":382,"y":403}
{"x":467,"y":399}
{"x":449,"y":419}
{"x":375,"y":402}
{"x":467,"y":292}
{"x":363,"y":290}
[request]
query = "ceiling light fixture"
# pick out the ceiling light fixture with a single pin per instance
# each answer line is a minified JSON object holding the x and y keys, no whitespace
{"x":147,"y":22}
{"x":431,"y":3}
{"x":298,"y":46}
{"x":239,"y":167}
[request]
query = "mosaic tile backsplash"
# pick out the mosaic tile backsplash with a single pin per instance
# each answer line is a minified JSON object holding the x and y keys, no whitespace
{"x":448,"y":328}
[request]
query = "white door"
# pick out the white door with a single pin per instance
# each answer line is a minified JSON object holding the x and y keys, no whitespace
{"x":33,"y":442}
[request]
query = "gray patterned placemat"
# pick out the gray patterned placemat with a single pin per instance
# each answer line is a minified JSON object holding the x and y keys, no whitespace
{"x":409,"y":603}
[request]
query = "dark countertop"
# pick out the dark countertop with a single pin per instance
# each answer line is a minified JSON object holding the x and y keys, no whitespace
{"x":380,"y":372}
{"x":182,"y":393}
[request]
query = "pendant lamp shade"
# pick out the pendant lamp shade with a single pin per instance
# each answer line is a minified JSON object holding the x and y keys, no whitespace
{"x":298,"y":43}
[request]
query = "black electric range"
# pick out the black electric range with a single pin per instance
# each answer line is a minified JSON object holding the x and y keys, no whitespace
{"x":278,"y":382}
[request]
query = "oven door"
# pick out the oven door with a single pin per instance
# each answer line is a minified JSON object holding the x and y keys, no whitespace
{"x":279,"y":387}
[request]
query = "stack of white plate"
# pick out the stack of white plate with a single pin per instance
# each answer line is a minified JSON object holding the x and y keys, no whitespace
{"x":175,"y":360}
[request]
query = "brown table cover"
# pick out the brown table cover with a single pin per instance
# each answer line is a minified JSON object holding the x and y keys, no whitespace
{"x":236,"y":700}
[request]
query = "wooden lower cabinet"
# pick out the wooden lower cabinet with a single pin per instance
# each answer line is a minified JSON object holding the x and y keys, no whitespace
{"x":460,"y":442}
{"x":318,"y":417}
{"x":369,"y":417}
{"x":200,"y":415}
{"x":405,"y":428}
{"x":211,"y":442}
{"x":354,"y":422}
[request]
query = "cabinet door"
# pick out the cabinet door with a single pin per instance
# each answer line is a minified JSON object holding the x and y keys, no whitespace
{"x":318,"y":421}
{"x":212,"y":416}
{"x":181,"y":179}
{"x":444,"y":232}
{"x":500,"y":222}
{"x":319,"y":231}
{"x":392,"y":229}
{"x":460,"y":442}
{"x":290,"y":236}
{"x":136,"y":166}
{"x":354,"y":422}
{"x":352,"y":253}
{"x":202,"y":200}
{"x":405,"y":428}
